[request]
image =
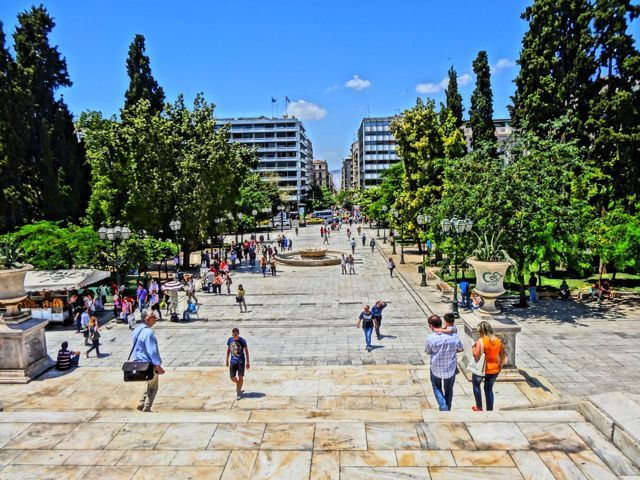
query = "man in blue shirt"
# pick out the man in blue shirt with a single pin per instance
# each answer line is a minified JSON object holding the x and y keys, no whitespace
{"x":238,"y":350}
{"x":141,"y":295}
{"x":443,"y":348}
{"x":377,"y":316}
{"x":145,"y":349}
{"x":465,"y":293}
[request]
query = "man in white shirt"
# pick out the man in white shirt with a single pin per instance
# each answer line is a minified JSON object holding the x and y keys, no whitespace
{"x":443,"y":348}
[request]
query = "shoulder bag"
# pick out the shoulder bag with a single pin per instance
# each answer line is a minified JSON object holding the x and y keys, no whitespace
{"x":137,"y":371}
{"x":477,"y":367}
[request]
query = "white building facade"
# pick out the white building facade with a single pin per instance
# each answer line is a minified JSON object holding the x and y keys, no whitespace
{"x":283,"y":147}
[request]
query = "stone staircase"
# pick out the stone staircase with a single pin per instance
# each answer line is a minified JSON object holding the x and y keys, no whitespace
{"x":364,"y":422}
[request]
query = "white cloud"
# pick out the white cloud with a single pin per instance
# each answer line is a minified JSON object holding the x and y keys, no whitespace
{"x":502,"y":65}
{"x":357,"y":83}
{"x":332,"y":88}
{"x":306,"y":110}
{"x":464,"y":79}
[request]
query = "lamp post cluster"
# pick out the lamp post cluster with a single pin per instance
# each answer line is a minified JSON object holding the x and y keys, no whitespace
{"x":397,"y":216}
{"x":115,"y":235}
{"x":456,"y":227}
{"x":384,"y":224}
{"x":281,"y":209}
{"x":424,"y":220}
{"x":267,"y":210}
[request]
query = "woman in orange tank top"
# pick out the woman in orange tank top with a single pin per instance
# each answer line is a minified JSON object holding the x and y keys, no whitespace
{"x":494,"y":360}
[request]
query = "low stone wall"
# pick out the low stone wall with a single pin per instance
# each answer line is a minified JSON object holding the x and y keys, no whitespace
{"x":287,"y":259}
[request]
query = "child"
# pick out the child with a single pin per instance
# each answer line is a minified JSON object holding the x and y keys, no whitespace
{"x":449,"y":327}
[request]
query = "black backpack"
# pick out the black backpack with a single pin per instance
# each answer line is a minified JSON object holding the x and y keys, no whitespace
{"x":174,"y":317}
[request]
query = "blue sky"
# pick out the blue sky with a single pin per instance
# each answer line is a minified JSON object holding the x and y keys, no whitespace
{"x":338,"y":61}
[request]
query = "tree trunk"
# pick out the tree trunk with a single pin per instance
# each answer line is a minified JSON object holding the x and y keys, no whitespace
{"x":613,"y":275}
{"x":522,"y":289}
{"x":186,"y":256}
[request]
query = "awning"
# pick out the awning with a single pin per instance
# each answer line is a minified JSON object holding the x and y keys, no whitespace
{"x":37,"y":280}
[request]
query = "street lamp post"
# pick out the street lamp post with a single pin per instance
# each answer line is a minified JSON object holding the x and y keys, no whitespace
{"x":175,"y":226}
{"x":218,"y":221}
{"x":395,"y":214}
{"x":456,"y":227}
{"x":254,"y":212}
{"x":267,"y":210}
{"x":423,"y":220}
{"x":384,"y":223}
{"x":281,"y":210}
{"x":115,"y":235}
{"x":240,"y":227}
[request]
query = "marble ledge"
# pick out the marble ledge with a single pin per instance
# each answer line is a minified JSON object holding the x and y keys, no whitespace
{"x":465,"y":416}
{"x":34,"y":416}
{"x":134,"y":416}
{"x":321,"y":416}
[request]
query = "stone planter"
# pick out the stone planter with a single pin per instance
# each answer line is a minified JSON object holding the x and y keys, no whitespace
{"x":23,"y":345}
{"x":12,"y":291}
{"x":489,"y":282}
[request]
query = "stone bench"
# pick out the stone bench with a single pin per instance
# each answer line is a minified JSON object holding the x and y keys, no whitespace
{"x":444,"y":288}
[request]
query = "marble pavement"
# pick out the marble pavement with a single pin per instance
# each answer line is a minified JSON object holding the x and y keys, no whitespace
{"x":316,"y":406}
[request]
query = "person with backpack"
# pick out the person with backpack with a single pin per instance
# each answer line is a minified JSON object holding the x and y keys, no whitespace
{"x":94,"y":336}
{"x":240,"y":300}
{"x":391,"y":265}
{"x":263,"y":265}
{"x":366,"y":319}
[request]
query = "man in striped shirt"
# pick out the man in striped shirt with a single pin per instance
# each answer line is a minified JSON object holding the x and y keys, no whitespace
{"x":66,"y":358}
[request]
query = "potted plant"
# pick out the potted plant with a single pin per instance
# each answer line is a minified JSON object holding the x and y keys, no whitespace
{"x":12,"y":274}
{"x":490,"y":263}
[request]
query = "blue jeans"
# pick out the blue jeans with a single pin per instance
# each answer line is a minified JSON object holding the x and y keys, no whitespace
{"x":443,"y":397}
{"x":489,"y":380}
{"x":367,"y":335}
{"x":532,"y":294}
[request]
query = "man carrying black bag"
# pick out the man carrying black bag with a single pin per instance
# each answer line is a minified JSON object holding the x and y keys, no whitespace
{"x":145,"y":349}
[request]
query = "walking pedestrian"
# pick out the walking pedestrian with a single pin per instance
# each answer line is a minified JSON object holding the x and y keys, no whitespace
{"x":84,"y":324}
{"x":145,"y":349}
{"x":353,"y":245}
{"x":141,"y":296}
{"x":364,"y":239}
{"x":326,"y":239}
{"x":352,"y":265}
{"x":391,"y":265}
{"x":191,"y":290}
{"x":443,"y":349}
{"x":263,"y":265}
{"x":94,"y":336}
{"x":494,"y":356}
{"x":296,"y":231}
{"x":240,"y":300}
{"x":377,"y":315}
{"x":372,"y":244}
{"x":366,"y":318}
{"x":238,"y":350}
{"x":533,"y":282}
{"x":290,"y":245}
{"x":272,"y":264}
{"x":343,"y":264}
{"x":228,"y":282}
{"x":154,"y":303}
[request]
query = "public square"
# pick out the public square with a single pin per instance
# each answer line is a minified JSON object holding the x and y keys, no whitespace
{"x":320,"y":240}
{"x":317,"y":405}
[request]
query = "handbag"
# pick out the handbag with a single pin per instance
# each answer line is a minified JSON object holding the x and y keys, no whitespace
{"x":239,"y":299}
{"x":95,"y":335}
{"x":137,"y":371}
{"x":477,"y":367}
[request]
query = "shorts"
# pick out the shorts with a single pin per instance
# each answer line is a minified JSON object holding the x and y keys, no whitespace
{"x":236,"y":369}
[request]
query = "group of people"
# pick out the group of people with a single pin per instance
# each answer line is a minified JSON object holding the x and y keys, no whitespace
{"x":443,"y":345}
{"x":370,"y":319}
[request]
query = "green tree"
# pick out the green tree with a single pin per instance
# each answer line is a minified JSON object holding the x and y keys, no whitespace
{"x":142,"y":85}
{"x":614,"y":121}
{"x":17,"y":197}
{"x":556,"y":64}
{"x":454,"y":99}
{"x":481,"y":111}
{"x":57,"y":174}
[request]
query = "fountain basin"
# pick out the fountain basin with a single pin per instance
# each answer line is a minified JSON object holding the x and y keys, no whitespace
{"x":318,"y":258}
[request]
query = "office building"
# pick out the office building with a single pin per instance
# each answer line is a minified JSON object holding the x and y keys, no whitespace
{"x":321,"y":174}
{"x":503,"y":132}
{"x":283,"y":149}
{"x":376,"y":151}
{"x":345,"y":174}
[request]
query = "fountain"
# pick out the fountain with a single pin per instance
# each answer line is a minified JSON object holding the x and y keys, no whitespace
{"x":309,"y":257}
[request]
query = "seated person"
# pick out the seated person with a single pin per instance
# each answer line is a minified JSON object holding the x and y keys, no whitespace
{"x":449,"y":327}
{"x":605,"y":289}
{"x":67,"y":359}
{"x":595,"y":291}
{"x":476,"y":301}
{"x":564,"y":290}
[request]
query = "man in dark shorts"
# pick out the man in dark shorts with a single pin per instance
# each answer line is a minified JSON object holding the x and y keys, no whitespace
{"x":239,"y":352}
